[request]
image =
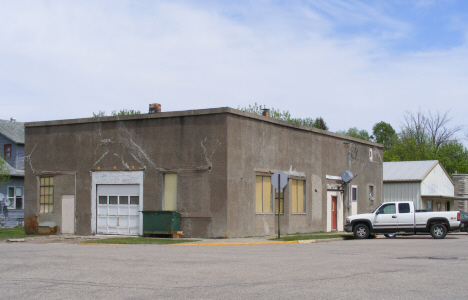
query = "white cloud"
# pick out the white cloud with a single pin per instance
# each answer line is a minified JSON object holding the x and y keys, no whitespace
{"x":69,"y":59}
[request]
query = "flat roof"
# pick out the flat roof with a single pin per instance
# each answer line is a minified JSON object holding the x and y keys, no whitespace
{"x":199,"y":112}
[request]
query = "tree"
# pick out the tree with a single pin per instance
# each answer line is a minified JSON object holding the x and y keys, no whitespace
{"x":320,"y":124}
{"x":122,"y":112}
{"x":428,"y":137}
{"x":356,"y":133}
{"x":4,"y":172}
{"x":286,"y":116}
{"x":384,"y":133}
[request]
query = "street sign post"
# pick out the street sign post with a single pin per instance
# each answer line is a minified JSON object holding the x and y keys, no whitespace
{"x":279,"y":180}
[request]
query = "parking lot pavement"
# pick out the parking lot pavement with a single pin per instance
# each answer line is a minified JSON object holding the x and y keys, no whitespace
{"x":417,"y":267}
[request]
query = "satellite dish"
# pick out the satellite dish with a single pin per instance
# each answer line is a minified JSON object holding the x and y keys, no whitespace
{"x":7,"y":202}
{"x":347,"y":176}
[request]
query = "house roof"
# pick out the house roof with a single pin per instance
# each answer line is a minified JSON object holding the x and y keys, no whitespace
{"x":14,"y":172}
{"x":408,"y":170}
{"x":12,"y":130}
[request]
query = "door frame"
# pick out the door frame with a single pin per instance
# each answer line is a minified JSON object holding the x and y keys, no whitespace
{"x":339,"y":207}
{"x":68,"y":201}
{"x":334,"y":212}
{"x":114,"y":177}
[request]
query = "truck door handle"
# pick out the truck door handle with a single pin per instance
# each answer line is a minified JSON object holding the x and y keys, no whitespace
{"x":394,"y":217}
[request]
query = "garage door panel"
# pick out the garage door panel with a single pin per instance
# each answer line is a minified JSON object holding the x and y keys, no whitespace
{"x":134,"y":210}
{"x":120,"y":214}
{"x":123,"y":211}
{"x":134,"y":222}
{"x":102,"y":221}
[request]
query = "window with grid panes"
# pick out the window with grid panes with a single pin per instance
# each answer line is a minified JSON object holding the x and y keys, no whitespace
{"x":298,"y":196}
{"x":47,"y":195}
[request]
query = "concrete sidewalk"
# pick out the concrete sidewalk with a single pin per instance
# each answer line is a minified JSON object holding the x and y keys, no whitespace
{"x":76,"y":239}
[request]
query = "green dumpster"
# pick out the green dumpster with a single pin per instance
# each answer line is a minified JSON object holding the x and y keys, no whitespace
{"x":160,"y":222}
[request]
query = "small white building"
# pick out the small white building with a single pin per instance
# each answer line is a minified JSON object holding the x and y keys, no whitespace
{"x":426,"y":183}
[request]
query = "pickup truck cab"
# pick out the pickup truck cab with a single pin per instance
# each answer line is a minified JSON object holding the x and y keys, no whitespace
{"x":392,"y":218}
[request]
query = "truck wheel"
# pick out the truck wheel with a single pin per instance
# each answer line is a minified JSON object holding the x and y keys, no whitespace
{"x":390,"y":235}
{"x":438,"y":231}
{"x":361,"y":231}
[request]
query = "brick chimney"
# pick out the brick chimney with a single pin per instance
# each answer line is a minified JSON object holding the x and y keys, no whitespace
{"x":154,"y":108}
{"x":265,"y":112}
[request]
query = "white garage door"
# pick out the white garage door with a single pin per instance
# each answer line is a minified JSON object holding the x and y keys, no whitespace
{"x":118,"y":209}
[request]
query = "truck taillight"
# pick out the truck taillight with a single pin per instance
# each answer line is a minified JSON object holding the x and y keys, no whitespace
{"x":458,"y":216}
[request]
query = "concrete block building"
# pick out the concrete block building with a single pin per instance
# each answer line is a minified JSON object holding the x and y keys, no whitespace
{"x":213,"y":166}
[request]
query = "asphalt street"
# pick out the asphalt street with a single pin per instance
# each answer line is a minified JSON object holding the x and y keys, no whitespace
{"x":417,"y":267}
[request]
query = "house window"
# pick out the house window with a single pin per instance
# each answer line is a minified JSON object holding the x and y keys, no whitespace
{"x":298,"y":196}
{"x":263,"y":194}
{"x":371,"y":193}
{"x":170,"y":192}
{"x":354,"y":193}
{"x":47,"y":195}
{"x":7,"y":151}
{"x":15,"y":196}
{"x":429,"y":205}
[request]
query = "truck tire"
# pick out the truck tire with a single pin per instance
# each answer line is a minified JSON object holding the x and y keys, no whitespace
{"x":361,"y":231}
{"x":438,"y":231}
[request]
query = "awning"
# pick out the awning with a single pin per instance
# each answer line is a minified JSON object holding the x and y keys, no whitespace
{"x":442,"y":197}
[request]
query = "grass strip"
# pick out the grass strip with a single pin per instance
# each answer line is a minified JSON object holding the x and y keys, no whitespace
{"x":13,"y":233}
{"x":136,"y":240}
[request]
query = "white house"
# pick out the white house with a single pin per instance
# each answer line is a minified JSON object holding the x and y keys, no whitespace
{"x":426,"y":183}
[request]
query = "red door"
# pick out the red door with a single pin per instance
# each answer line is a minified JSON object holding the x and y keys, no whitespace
{"x":334,"y":212}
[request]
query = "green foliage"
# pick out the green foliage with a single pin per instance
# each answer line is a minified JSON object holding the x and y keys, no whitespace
{"x":384,"y":133}
{"x":4,"y":172}
{"x":12,"y":233}
{"x":286,"y":116}
{"x":99,"y":114}
{"x":427,"y":137}
{"x":356,"y":133}
{"x":319,"y":123}
{"x":122,"y":112}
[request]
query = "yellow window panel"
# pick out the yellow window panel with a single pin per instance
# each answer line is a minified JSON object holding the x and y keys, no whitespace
{"x":294,"y":196}
{"x":300,"y":197}
{"x":258,"y":194}
{"x":266,"y":194}
{"x":170,"y":192}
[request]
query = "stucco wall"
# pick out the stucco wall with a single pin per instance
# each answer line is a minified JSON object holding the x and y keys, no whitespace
{"x":259,"y":145}
{"x":194,"y":147}
{"x":215,"y":153}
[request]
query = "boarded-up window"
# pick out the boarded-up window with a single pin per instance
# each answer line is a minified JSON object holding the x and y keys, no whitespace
{"x":297,"y":196}
{"x":263,"y":194}
{"x":46,"y":195}
{"x":170,"y":192}
{"x":279,"y":197}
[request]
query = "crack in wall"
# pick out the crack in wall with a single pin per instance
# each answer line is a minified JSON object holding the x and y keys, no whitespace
{"x":208,"y":159}
{"x":123,"y":162}
{"x":28,"y":158}
{"x":135,"y":150}
{"x":101,"y":158}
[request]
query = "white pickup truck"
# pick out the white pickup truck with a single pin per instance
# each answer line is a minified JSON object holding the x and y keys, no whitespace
{"x":393,"y":218}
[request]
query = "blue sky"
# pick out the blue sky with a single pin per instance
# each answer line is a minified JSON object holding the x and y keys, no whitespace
{"x":355,"y":63}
